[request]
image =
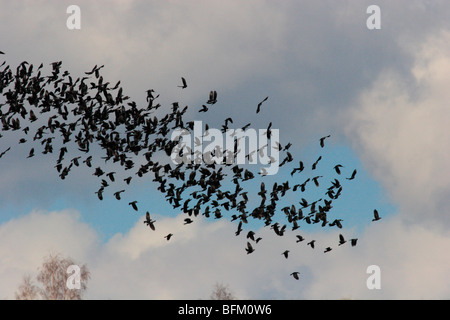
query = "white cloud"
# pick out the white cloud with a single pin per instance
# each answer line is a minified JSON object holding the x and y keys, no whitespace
{"x":141,"y":264}
{"x":401,"y":131}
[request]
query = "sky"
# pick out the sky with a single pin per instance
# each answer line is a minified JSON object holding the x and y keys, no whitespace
{"x":381,"y":94}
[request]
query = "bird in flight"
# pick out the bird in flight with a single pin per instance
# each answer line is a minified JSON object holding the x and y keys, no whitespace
{"x":376,"y":216}
{"x":183,"y":80}
{"x":249,"y":248}
{"x":285,"y":253}
{"x":337,"y":168}
{"x":169,"y":236}
{"x":322,"y":144}
{"x":341,"y":239}
{"x":133,"y":204}
{"x":352,"y":176}
{"x":149,"y":221}
{"x":295,"y":275}
{"x":258,"y":109}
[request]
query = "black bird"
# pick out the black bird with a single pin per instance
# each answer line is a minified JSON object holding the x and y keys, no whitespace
{"x":127,"y":180}
{"x":376,"y":216}
{"x":169,"y":236}
{"x":249,"y":248}
{"x":353,"y":242}
{"x":149,"y":221}
{"x":285,"y":253}
{"x":3,"y":153}
{"x":336,"y":167}
{"x":111,"y":176}
{"x":323,"y":139}
{"x":31,"y":154}
{"x":203,"y":109}
{"x":133,"y":204}
{"x":311,"y":243}
{"x":295,"y":275}
{"x":315,"y":163}
{"x":299,"y":238}
{"x":341,"y":240}
{"x":251,"y":235}
{"x":188,"y":221}
{"x":327,"y":249}
{"x":299,"y":169}
{"x":259,"y":104}
{"x":117,"y":194}
{"x":352,"y":176}
{"x":184,"y":83}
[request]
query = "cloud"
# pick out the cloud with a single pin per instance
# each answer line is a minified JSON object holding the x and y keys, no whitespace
{"x":141,"y":264}
{"x":400,"y":128}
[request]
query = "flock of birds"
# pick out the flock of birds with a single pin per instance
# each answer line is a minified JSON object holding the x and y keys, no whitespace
{"x":80,"y":115}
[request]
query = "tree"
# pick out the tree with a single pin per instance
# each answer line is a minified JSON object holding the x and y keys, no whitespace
{"x":221,"y":292}
{"x":54,"y":278}
{"x":27,"y":290}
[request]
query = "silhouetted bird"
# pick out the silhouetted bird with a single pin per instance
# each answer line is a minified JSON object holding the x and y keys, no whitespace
{"x":323,"y":139}
{"x":149,"y":221}
{"x":352,"y":176}
{"x":341,"y":240}
{"x":311,"y":243}
{"x":184,"y":83}
{"x":295,"y":275}
{"x":133,"y":204}
{"x":259,"y":104}
{"x":169,"y":236}
{"x":249,"y":248}
{"x":376,"y":216}
{"x":337,"y":168}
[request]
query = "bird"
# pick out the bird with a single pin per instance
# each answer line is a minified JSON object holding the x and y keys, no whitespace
{"x":3,"y":153}
{"x":341,"y":240}
{"x":184,"y":83}
{"x":133,"y":204}
{"x":316,"y":162}
{"x":251,"y":235}
{"x":323,"y":139}
{"x":169,"y":236}
{"x":88,"y":112}
{"x":295,"y":275}
{"x":249,"y":248}
{"x":149,"y":221}
{"x":337,"y":168}
{"x":353,"y":242}
{"x":31,"y":154}
{"x":117,"y":194}
{"x":352,"y":176}
{"x":299,"y":169}
{"x":285,"y":253}
{"x":258,"y":109}
{"x":376,"y":216}
{"x":327,"y":249}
